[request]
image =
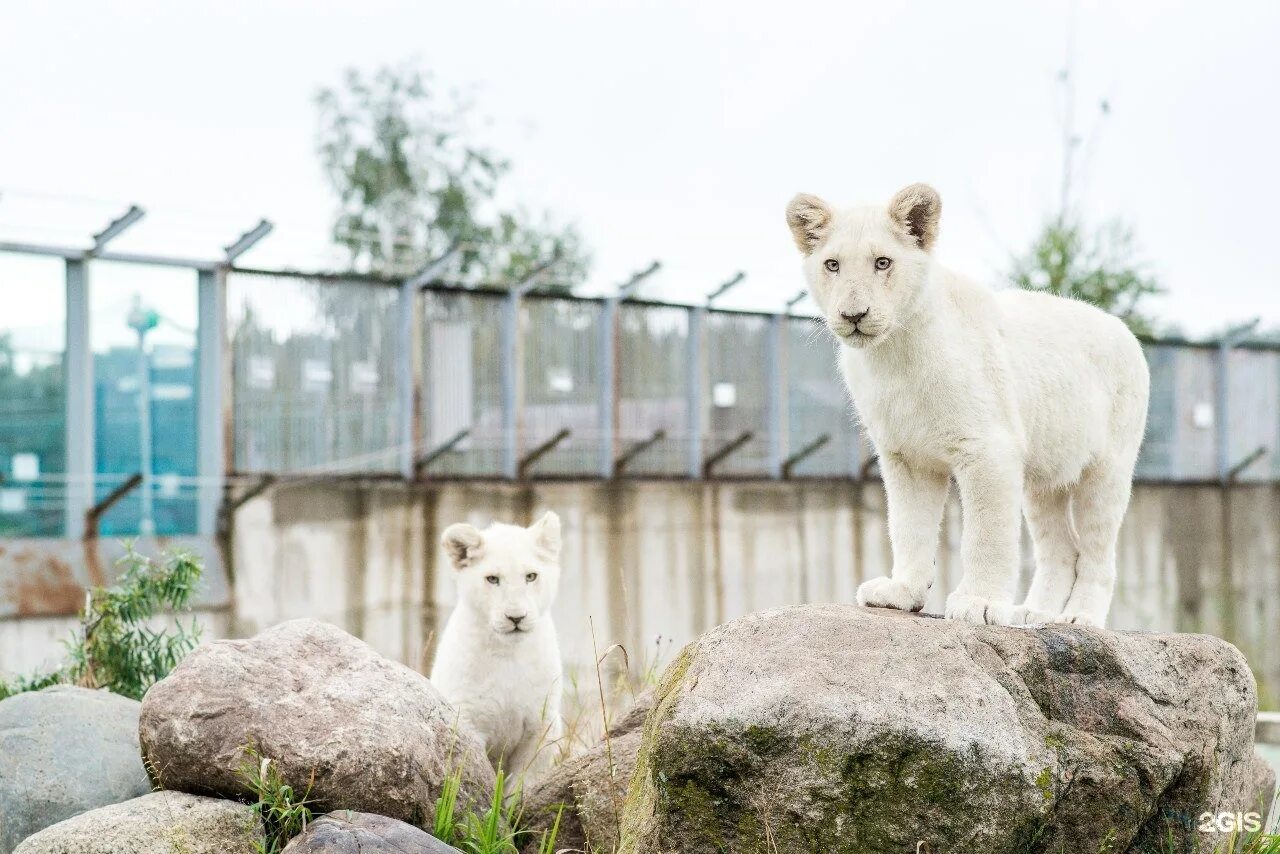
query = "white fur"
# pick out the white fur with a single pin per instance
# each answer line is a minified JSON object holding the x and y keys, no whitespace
{"x":1034,"y":404}
{"x":505,"y":680}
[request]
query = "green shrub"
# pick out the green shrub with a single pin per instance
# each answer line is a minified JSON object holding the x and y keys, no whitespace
{"x":114,"y":647}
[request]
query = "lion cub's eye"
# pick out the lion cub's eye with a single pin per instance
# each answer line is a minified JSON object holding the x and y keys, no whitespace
{"x":531,"y":577}
{"x":492,"y":579}
{"x":882,"y":263}
{"x":833,"y":265}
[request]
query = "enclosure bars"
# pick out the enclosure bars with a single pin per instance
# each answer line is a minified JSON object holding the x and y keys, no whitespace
{"x":408,"y":377}
{"x":213,"y":374}
{"x":510,"y":369}
{"x":697,"y":368}
{"x":608,"y":404}
{"x":1222,"y":388}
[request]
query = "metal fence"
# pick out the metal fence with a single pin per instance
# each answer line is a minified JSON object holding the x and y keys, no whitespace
{"x":539,"y":385}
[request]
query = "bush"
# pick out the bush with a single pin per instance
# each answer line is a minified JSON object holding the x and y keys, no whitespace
{"x":114,"y":647}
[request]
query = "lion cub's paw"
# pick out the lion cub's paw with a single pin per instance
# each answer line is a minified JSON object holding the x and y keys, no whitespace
{"x":981,"y":612}
{"x":891,"y":593}
{"x":1078,"y":619}
{"x":1025,"y":615}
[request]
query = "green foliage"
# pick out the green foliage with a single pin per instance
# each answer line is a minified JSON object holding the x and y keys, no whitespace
{"x":115,"y":648}
{"x":1098,"y":268}
{"x":284,"y":812}
{"x":412,"y":182}
{"x":34,"y":682}
{"x":491,"y":831}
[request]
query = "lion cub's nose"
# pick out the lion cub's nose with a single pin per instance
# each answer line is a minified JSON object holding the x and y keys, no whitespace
{"x":855,"y":319}
{"x":515,"y":621}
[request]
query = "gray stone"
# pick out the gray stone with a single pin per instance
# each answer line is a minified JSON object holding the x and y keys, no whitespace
{"x":349,"y":832}
{"x":591,"y":795}
{"x":65,"y":750}
{"x":363,"y":732}
{"x":840,"y":729}
{"x":158,"y":823}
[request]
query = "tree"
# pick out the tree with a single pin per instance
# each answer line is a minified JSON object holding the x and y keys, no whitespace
{"x":1069,"y":259}
{"x":411,"y":183}
{"x":1097,"y":267}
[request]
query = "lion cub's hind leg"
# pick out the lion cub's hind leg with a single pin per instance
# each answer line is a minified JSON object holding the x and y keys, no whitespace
{"x":1098,"y":506}
{"x":1049,"y":519}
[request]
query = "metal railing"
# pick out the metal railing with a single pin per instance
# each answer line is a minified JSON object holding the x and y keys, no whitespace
{"x":512,"y":384}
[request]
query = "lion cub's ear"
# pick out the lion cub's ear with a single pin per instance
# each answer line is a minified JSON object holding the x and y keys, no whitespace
{"x":463,"y":544}
{"x":546,"y":534}
{"x":916,"y":210}
{"x":810,"y":220}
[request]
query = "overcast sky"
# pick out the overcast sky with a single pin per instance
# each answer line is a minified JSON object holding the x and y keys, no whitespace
{"x":671,"y":130}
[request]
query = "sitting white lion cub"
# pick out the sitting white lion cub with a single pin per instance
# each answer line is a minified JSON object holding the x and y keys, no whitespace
{"x":1033,"y":403}
{"x":498,"y":661}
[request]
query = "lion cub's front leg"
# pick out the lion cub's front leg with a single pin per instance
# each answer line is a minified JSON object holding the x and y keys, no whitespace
{"x":990,"y":487}
{"x":916,"y":497}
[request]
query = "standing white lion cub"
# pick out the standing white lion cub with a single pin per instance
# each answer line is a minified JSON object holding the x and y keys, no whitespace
{"x":1033,"y":403}
{"x":498,"y":661}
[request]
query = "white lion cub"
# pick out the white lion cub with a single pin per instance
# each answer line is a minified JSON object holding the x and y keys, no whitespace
{"x":1035,"y":404}
{"x":498,"y":661}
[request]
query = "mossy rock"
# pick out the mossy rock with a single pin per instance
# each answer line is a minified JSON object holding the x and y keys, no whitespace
{"x":839,"y":729}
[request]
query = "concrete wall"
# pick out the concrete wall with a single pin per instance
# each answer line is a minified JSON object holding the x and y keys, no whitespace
{"x":645,"y":560}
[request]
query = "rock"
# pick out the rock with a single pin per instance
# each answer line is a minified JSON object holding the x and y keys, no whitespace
{"x":840,"y":729}
{"x":363,"y":732}
{"x":65,"y":750}
{"x":158,"y":823}
{"x":591,"y":797}
{"x":349,"y":832}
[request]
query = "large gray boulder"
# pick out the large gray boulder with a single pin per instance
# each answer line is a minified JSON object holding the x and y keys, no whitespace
{"x":840,"y":729}
{"x":65,"y":750}
{"x":349,"y":832}
{"x":363,"y":732}
{"x":158,"y":823}
{"x":590,"y":790}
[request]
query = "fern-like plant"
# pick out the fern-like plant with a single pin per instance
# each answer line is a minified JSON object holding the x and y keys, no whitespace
{"x":115,"y":646}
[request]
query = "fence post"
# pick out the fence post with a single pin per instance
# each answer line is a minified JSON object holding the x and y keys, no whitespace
{"x":213,"y":402}
{"x":1222,"y":388}
{"x":509,"y":365}
{"x":78,"y":379}
{"x":693,"y":386}
{"x":409,"y":363}
{"x":608,"y":403}
{"x":698,"y":372}
{"x":775,"y":413}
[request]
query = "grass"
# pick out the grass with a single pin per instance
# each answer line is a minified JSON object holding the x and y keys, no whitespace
{"x":491,"y":830}
{"x":284,"y":812}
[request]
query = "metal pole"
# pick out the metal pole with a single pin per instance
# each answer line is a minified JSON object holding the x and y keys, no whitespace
{"x":405,"y":352}
{"x":211,"y":403}
{"x":409,"y":363}
{"x":510,"y":355}
{"x":775,"y":376}
{"x":1222,"y":387}
{"x":693,"y":387}
{"x":146,"y":524}
{"x":608,"y":403}
{"x":78,"y":377}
